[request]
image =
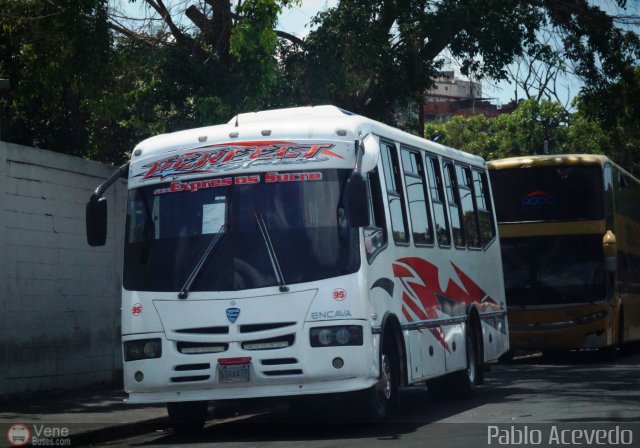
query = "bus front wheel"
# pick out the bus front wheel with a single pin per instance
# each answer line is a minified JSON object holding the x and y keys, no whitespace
{"x":382,"y":398}
{"x":188,"y":416}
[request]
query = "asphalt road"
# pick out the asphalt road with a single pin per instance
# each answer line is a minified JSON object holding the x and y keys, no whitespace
{"x":567,"y":402}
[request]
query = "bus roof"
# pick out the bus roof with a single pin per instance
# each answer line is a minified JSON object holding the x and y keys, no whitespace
{"x":548,"y":160}
{"x":312,"y":122}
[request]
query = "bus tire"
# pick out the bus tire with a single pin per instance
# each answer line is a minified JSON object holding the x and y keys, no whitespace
{"x":463,"y":383}
{"x":187,"y":417}
{"x":382,"y":398}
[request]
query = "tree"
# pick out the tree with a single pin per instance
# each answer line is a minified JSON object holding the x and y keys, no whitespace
{"x":524,"y":132}
{"x":542,"y":73}
{"x":548,"y":70}
{"x":616,"y":108}
{"x":175,"y":74}
{"x":237,"y":43}
{"x":56,"y":55}
{"x":88,"y":80}
{"x":375,"y":57}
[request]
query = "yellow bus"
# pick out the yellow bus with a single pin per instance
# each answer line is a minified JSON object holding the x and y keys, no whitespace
{"x":569,"y":227}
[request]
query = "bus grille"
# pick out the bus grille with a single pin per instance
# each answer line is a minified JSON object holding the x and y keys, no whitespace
{"x":252,"y":328}
{"x":269,"y":344}
{"x":197,"y":348}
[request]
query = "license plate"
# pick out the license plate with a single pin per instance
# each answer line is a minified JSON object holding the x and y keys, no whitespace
{"x":233,"y":373}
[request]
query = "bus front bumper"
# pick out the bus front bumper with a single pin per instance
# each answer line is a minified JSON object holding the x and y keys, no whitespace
{"x":299,"y":369}
{"x":570,"y":327}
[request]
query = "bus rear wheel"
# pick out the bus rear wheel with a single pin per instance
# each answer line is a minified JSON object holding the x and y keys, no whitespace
{"x":465,"y":381}
{"x":461,"y":384}
{"x":187,"y":417}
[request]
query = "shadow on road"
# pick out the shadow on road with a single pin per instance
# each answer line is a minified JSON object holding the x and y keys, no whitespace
{"x":527,"y":380}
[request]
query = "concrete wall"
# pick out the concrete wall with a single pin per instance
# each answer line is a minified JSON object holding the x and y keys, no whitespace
{"x":59,"y":298}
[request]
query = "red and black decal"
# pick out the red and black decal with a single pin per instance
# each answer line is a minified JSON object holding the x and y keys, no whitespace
{"x":232,"y":156}
{"x":423,"y":299}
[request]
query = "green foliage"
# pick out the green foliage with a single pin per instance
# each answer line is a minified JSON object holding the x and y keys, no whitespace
{"x":617,"y":109}
{"x":349,"y":61}
{"x":524,"y":132}
{"x":253,"y":43}
{"x":56,"y":56}
{"x":82,"y":88}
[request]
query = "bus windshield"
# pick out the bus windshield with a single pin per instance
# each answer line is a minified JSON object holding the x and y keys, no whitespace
{"x":548,"y":193}
{"x":170,"y":225}
{"x":553,"y":270}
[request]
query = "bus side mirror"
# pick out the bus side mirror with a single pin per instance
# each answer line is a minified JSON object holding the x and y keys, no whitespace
{"x":370,"y":153}
{"x":610,"y":249}
{"x":96,"y":221}
{"x":357,"y":200}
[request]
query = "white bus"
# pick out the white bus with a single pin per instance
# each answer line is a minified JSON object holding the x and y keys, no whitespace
{"x":304,"y":251}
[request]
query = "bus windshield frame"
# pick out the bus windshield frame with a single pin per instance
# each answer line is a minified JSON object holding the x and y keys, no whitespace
{"x":548,"y":193}
{"x":170,"y":225}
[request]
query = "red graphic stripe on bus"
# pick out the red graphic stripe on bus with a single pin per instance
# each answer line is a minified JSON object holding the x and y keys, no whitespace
{"x":422,"y":294}
{"x":211,"y":159}
{"x":417,"y":297}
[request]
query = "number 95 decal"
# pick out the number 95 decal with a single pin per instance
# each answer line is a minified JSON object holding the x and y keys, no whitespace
{"x":339,"y":294}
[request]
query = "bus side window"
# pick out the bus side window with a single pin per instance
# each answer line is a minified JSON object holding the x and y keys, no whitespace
{"x":469,"y":211}
{"x":437,"y":199}
{"x":483,"y":202}
{"x":419,"y":212}
{"x":376,"y":234}
{"x":393,"y":182}
{"x":454,"y":204}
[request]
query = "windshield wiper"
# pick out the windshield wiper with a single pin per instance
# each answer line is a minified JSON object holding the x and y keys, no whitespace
{"x":184,"y":292}
{"x":272,"y":253}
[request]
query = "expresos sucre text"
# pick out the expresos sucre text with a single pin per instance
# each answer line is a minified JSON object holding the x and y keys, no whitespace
{"x":555,"y":436}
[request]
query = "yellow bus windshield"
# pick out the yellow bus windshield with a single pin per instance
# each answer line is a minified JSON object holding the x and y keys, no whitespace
{"x":553,"y":270}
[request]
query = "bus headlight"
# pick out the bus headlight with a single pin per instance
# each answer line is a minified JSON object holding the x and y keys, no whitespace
{"x":336,"y":336}
{"x":142,"y":349}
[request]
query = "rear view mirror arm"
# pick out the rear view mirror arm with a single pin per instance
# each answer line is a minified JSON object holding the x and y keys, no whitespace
{"x":122,"y":172}
{"x":359,"y":155}
{"x":96,"y":210}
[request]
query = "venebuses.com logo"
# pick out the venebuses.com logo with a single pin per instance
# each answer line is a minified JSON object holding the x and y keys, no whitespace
{"x":18,"y":435}
{"x":39,"y":435}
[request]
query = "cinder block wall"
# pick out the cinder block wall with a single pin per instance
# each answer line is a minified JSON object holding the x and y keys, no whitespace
{"x":59,"y":298}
